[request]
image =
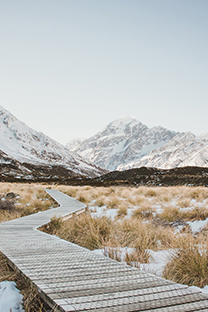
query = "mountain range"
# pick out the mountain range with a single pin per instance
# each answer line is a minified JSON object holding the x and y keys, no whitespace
{"x":21,"y":146}
{"x":123,"y":144}
{"x":127,"y":143}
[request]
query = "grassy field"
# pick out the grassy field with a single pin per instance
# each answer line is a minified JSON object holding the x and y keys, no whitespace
{"x":18,"y":200}
{"x":144,"y":219}
{"x":137,"y":220}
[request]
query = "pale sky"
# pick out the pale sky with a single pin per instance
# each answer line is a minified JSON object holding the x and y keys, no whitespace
{"x":69,"y":67}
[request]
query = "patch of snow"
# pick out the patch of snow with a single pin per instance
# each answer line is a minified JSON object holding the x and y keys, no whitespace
{"x":196,"y":226}
{"x":10,"y":297}
{"x":157,"y":261}
{"x":103,"y":211}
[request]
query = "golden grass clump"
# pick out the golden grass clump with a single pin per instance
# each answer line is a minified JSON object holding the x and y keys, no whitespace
{"x":170,"y":214}
{"x":174,"y":214}
{"x":150,"y":193}
{"x":94,"y":233}
{"x":137,"y":200}
{"x":195,"y":214}
{"x":188,"y":264}
{"x":122,"y":211}
{"x":136,"y":257}
{"x":113,"y":202}
{"x":184,"y":203}
{"x":83,"y":230}
{"x":100,"y":201}
{"x":144,"y":212}
{"x":199,"y":194}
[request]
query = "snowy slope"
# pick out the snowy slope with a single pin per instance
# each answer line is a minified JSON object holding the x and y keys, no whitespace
{"x":185,"y":149}
{"x":72,"y":144}
{"x":120,"y":142}
{"x":24,"y":144}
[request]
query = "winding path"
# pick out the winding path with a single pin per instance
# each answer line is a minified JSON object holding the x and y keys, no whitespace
{"x":72,"y":278}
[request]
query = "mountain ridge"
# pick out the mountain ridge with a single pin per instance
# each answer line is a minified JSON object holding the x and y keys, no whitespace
{"x":127,"y":143}
{"x":26,"y":145}
{"x":122,"y":141}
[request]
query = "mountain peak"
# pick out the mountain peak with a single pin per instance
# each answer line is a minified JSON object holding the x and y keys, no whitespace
{"x":123,"y":122}
{"x":125,"y":119}
{"x":121,"y":141}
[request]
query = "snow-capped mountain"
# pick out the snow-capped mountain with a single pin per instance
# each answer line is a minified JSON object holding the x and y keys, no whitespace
{"x":185,"y":149}
{"x":25,"y":145}
{"x":72,"y":144}
{"x":122,"y":141}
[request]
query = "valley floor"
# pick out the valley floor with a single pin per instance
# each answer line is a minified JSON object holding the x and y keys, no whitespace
{"x":162,"y":230}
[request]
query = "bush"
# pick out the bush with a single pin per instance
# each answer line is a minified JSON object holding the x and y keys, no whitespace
{"x":7,"y":205}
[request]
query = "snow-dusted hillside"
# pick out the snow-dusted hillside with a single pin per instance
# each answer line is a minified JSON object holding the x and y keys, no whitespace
{"x":21,"y":143}
{"x":185,"y":149}
{"x":121,"y":142}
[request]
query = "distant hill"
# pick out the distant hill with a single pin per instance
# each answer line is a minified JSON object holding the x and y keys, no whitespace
{"x":189,"y":176}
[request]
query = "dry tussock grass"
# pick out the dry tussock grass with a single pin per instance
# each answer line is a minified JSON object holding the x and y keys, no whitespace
{"x":174,"y":214}
{"x":144,"y":212}
{"x":145,"y":230}
{"x":84,"y":230}
{"x":122,"y":210}
{"x":189,"y":263}
{"x":31,"y":199}
{"x":94,"y":233}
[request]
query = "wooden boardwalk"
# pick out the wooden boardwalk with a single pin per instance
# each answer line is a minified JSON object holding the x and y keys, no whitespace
{"x":72,"y":278}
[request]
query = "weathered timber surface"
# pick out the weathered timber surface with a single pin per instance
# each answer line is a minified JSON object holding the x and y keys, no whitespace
{"x":72,"y":278}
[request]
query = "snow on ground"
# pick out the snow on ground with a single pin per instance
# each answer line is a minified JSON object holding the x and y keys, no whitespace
{"x":98,"y":212}
{"x":158,"y":259}
{"x":157,"y":262}
{"x":197,"y":226}
{"x":10,"y":297}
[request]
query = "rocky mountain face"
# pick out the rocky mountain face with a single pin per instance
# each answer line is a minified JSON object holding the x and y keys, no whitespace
{"x":121,"y":142}
{"x":20,"y":145}
{"x":184,"y":149}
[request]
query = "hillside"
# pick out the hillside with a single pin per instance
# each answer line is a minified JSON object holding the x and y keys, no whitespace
{"x":24,"y":146}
